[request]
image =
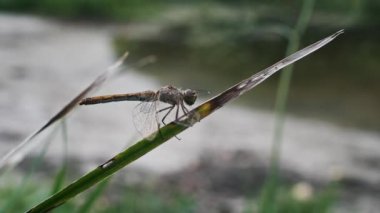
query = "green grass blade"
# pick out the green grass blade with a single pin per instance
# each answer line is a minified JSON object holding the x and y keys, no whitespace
{"x":91,"y":198}
{"x":270,"y":187}
{"x":171,"y":130}
{"x":285,"y":78}
{"x":36,"y":162}
{"x":269,"y":192}
{"x":16,"y":154}
{"x":60,"y":177}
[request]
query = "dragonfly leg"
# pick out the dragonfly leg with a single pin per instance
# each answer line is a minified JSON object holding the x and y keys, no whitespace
{"x":184,"y":109}
{"x":176,"y":118}
{"x":158,"y":124}
{"x":186,"y":112}
{"x":170,"y":108}
{"x":177,"y":113}
{"x":159,"y":132}
{"x":166,"y":108}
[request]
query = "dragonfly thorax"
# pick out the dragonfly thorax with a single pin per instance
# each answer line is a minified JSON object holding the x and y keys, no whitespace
{"x":172,"y":95}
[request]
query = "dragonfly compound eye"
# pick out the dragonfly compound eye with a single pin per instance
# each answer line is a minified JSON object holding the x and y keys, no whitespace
{"x":190,"y":96}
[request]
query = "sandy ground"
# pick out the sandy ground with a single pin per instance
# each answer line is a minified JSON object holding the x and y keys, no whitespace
{"x":45,"y":64}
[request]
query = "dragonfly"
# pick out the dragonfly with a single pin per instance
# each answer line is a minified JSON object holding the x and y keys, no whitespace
{"x":146,"y":114}
{"x":16,"y":154}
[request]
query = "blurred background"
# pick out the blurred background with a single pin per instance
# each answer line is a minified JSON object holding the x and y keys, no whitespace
{"x":324,"y":159}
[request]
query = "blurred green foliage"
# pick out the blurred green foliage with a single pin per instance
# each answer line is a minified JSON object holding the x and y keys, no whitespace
{"x":153,"y":197}
{"x":364,"y":11}
{"x":83,"y":9}
{"x":321,"y":202}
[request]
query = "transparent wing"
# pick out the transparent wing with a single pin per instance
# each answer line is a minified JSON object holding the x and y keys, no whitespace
{"x":145,"y":118}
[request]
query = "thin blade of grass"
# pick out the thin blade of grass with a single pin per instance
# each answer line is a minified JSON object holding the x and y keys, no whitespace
{"x":268,"y":198}
{"x":172,"y":129}
{"x":17,"y":154}
{"x":91,"y":198}
{"x":36,"y":162}
{"x":60,"y":177}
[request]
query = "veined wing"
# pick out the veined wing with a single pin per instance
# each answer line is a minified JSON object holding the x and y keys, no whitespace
{"x":145,"y":118}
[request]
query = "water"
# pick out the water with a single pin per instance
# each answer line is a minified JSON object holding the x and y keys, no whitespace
{"x":45,"y":63}
{"x":339,"y":83}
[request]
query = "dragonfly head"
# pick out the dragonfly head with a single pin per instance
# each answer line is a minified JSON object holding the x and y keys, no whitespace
{"x":190,"y":96}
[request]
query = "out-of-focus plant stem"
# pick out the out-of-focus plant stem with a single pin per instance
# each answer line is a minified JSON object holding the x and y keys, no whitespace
{"x":285,"y":79}
{"x":60,"y":177}
{"x":280,"y":106}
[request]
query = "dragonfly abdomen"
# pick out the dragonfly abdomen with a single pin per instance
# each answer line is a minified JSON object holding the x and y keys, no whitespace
{"x":145,"y":96}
